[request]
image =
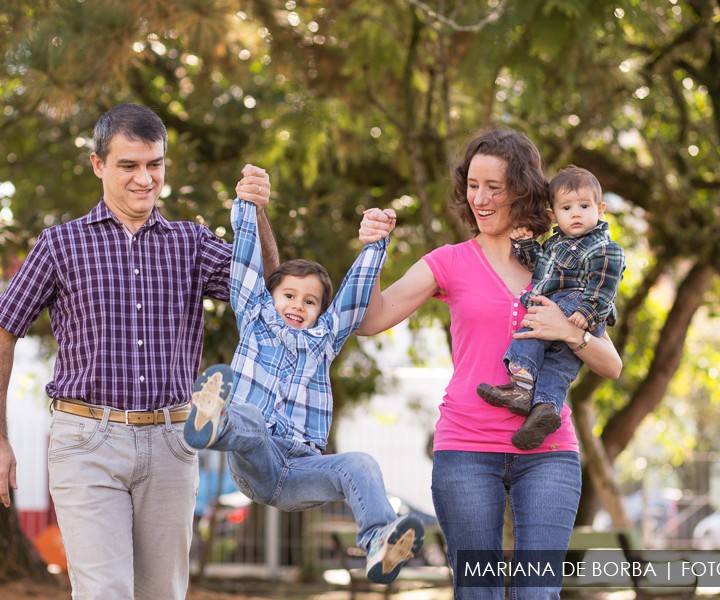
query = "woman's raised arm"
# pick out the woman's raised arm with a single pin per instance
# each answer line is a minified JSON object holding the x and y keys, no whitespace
{"x":395,"y":304}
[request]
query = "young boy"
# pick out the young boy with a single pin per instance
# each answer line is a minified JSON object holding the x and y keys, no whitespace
{"x":272,"y":411}
{"x":579,"y":268}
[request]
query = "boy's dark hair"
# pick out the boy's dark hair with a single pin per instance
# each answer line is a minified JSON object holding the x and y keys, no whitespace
{"x":525,"y":179}
{"x":573,"y":179}
{"x":302,"y":268}
{"x":133,"y":121}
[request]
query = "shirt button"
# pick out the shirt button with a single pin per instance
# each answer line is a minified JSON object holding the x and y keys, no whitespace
{"x":547,"y":276}
{"x":514,"y":313}
{"x":140,"y":342}
{"x":514,"y":322}
{"x":138,"y":306}
{"x":137,"y":271}
{"x":573,"y":247}
{"x":515,"y":305}
{"x":142,"y":378}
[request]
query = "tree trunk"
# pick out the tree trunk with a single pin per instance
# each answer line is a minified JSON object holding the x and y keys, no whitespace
{"x":18,"y":557}
{"x":599,"y":467}
{"x":668,"y":352}
{"x":622,"y":425}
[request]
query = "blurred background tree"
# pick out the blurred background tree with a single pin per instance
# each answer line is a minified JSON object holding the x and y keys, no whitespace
{"x":354,"y":103}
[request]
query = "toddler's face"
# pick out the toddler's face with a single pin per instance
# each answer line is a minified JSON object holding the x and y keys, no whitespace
{"x":577,"y":212}
{"x":298,"y":300}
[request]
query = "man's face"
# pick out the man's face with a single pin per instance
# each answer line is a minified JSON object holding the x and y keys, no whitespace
{"x":133,"y":176}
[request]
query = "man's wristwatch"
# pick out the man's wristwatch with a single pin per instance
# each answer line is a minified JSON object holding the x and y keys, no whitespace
{"x":587,"y":336}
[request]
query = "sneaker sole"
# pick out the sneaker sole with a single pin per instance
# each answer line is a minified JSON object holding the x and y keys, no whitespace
{"x":211,"y":397}
{"x":529,"y":439}
{"x":404,"y":544}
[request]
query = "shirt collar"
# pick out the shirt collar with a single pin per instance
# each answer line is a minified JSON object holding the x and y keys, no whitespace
{"x":101,"y":212}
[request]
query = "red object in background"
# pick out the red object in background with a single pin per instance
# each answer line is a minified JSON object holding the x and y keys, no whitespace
{"x":50,"y":547}
{"x":238,"y":515}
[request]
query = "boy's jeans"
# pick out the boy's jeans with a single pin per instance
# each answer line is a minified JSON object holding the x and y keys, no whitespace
{"x":290,"y":475}
{"x":552,"y":364}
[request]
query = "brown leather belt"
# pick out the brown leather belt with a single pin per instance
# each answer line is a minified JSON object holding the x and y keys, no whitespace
{"x":178,"y":414}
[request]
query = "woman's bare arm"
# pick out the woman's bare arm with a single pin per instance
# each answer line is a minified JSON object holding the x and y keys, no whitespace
{"x":548,"y":322}
{"x":389,"y":307}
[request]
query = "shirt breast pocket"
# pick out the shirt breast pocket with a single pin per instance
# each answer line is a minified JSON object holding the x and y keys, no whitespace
{"x":270,"y":354}
{"x":568,"y":257}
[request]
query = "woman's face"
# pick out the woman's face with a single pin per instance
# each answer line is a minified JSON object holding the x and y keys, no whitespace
{"x":488,"y":195}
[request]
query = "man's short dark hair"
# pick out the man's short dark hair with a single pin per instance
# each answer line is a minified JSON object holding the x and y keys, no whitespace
{"x":302,"y":268}
{"x":133,"y":121}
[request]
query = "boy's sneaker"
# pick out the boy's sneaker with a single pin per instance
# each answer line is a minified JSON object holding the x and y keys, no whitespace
{"x":208,"y":412}
{"x":517,"y":399}
{"x":541,"y":422}
{"x":392,"y":546}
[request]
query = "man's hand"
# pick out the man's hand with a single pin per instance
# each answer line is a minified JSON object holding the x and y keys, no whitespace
{"x":521,"y":233}
{"x":254,"y":186}
{"x":577,"y":319}
{"x":376,"y":224}
{"x":7,"y":472}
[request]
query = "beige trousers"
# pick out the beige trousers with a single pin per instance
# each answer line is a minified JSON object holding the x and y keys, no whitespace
{"x":124,"y":498}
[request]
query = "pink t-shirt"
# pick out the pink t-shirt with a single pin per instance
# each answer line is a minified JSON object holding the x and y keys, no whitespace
{"x":483,"y":316}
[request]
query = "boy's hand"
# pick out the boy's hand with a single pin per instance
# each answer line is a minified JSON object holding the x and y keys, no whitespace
{"x":377,"y":224}
{"x":521,"y":233}
{"x":577,"y":319}
{"x":254,"y":186}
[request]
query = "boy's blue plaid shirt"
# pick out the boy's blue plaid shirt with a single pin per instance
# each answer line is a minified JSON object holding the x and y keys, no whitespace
{"x":590,"y":262}
{"x":285,"y":372}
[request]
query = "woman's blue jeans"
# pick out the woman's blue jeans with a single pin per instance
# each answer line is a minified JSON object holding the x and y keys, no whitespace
{"x":469,"y":492}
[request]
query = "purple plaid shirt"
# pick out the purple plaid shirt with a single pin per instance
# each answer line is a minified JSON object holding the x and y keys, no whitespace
{"x":126,"y":312}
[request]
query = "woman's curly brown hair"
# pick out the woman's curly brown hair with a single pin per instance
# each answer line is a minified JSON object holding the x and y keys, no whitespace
{"x":526,"y":180}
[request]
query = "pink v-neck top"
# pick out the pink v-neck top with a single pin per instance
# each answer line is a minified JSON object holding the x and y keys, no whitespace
{"x":483,"y":316}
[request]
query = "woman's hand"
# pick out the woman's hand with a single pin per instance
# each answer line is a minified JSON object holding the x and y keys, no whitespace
{"x":376,"y":224}
{"x":548,"y":322}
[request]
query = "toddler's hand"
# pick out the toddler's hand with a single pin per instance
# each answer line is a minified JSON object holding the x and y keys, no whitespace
{"x":521,"y":233}
{"x":577,"y":319}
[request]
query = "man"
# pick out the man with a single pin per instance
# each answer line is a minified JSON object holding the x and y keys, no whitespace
{"x":125,"y":290}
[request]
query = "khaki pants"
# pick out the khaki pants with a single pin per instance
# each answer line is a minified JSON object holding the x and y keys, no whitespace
{"x":124,"y":498}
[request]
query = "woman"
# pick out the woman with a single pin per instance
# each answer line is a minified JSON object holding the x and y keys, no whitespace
{"x":498,"y":186}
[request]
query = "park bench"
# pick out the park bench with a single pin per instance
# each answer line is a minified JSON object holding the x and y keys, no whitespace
{"x":613,"y":547}
{"x":424,"y":569}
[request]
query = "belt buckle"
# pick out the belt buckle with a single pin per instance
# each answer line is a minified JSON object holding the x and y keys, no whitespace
{"x":134,"y":410}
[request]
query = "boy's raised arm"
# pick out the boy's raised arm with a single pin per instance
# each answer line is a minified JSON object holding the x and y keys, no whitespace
{"x":255,"y":187}
{"x":246,"y":268}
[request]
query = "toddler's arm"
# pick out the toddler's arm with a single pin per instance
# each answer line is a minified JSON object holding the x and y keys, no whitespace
{"x":605,"y":269}
{"x":525,"y":248}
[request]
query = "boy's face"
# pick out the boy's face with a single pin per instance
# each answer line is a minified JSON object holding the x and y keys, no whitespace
{"x":298,"y":300}
{"x":577,"y":212}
